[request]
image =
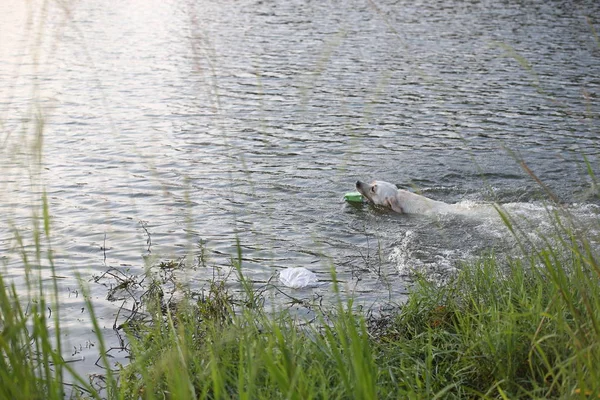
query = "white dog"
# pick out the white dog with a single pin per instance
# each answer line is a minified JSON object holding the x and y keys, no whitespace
{"x":402,"y":201}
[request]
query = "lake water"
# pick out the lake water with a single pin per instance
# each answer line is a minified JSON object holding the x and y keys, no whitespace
{"x":164,"y":124}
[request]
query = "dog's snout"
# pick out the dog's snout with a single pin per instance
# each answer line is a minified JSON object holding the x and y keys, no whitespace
{"x":358,"y":184}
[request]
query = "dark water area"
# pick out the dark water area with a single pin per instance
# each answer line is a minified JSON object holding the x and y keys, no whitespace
{"x":167,"y":124}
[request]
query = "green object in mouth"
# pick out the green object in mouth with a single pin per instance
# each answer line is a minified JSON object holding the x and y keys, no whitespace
{"x":353,"y":197}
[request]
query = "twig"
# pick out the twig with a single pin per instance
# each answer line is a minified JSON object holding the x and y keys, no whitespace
{"x":149,"y":240}
{"x":104,"y":249}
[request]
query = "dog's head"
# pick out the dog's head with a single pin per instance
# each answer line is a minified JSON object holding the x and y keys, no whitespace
{"x":378,"y":192}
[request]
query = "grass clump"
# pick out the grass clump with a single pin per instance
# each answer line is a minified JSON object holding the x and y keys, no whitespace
{"x":527,"y":328}
{"x":223,"y":352}
{"x":522,"y":328}
{"x":26,"y":350}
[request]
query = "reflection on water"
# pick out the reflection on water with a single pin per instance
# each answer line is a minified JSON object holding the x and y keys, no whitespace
{"x":169,"y":123}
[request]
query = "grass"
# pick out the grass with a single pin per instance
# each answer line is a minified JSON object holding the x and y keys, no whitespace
{"x":524,"y":328}
{"x":503,"y":331}
{"x":527,"y":328}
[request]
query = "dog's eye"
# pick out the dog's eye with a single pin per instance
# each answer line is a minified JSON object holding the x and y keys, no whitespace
{"x":373,"y":189}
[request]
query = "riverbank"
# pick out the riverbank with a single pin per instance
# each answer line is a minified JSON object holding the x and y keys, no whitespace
{"x":526,"y":327}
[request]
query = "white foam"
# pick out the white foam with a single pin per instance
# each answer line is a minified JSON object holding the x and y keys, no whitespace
{"x":407,"y":257}
{"x":472,"y":229}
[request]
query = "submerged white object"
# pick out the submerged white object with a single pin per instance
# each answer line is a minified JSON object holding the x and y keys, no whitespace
{"x":298,"y":278}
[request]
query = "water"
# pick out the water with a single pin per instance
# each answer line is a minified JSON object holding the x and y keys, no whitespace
{"x":166,"y":124}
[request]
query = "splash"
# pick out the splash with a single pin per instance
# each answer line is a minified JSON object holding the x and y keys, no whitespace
{"x":437,"y":247}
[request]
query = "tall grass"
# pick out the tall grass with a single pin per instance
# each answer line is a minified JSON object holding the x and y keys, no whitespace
{"x":31,"y":364}
{"x":513,"y":331}
{"x":220,"y":353}
{"x":527,"y":327}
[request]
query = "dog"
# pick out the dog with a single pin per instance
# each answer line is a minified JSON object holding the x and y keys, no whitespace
{"x":401,"y":201}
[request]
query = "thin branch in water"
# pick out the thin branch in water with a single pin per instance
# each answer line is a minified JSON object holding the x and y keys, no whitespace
{"x":149,"y":240}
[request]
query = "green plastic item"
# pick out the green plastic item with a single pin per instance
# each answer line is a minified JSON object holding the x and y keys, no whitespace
{"x":353,"y":197}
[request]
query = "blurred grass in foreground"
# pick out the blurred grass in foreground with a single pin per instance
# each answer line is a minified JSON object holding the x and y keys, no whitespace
{"x":526,"y":327}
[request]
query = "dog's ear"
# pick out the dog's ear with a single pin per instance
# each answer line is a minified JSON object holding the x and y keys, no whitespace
{"x":392,"y":202}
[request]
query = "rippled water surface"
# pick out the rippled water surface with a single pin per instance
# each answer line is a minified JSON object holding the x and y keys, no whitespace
{"x":156,"y":125}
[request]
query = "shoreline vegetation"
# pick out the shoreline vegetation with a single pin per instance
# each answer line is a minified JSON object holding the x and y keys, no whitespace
{"x":526,"y":327}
